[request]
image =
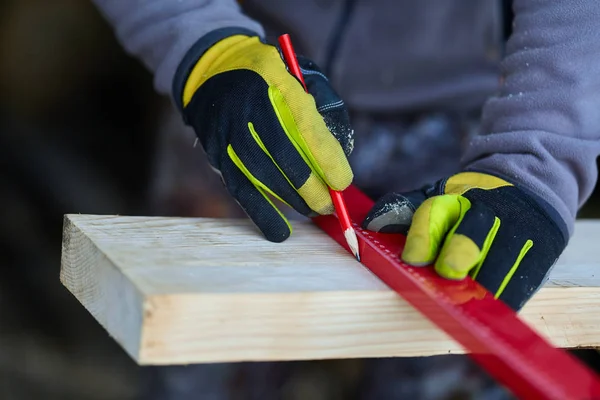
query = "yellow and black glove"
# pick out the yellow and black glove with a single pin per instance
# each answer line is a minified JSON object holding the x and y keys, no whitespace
{"x":261,"y":130}
{"x":479,"y":225}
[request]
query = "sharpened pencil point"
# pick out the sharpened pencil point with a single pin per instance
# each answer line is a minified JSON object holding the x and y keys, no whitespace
{"x":352,"y":240}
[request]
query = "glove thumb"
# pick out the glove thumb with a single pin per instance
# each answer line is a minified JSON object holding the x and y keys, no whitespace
{"x":393,"y":212}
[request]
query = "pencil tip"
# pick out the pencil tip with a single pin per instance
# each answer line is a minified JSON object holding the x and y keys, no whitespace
{"x":352,"y":241}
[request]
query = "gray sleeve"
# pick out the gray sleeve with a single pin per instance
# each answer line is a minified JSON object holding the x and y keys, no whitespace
{"x":542,"y":130}
{"x":160,"y":32}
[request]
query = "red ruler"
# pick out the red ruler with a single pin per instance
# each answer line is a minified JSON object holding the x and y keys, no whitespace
{"x":493,"y":335}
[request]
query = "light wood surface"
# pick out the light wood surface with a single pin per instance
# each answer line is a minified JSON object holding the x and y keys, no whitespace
{"x":195,"y":290}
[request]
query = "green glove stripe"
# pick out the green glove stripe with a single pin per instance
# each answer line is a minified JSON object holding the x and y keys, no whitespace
{"x":261,"y":187}
{"x":320,"y":204}
{"x":477,"y":223}
{"x":486,"y":246}
{"x":253,"y":202}
{"x":260,"y":143}
{"x":312,"y":190}
{"x":286,"y":119}
{"x":528,"y":245}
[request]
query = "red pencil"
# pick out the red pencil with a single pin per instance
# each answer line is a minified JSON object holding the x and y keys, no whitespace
{"x":338,"y":200}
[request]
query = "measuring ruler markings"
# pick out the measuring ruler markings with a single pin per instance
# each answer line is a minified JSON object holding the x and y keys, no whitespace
{"x":492,"y":333}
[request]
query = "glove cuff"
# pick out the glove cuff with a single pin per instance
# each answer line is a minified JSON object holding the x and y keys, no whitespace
{"x":193,"y":55}
{"x":544,"y":206}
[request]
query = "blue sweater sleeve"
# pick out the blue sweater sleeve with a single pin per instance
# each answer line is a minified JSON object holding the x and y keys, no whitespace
{"x":542,"y":130}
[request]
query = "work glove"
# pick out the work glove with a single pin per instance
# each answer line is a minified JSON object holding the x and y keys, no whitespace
{"x":261,"y":131}
{"x":478,"y":225}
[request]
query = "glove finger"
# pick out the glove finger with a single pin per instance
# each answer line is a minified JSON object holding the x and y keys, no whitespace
{"x":430,"y":224}
{"x":329,"y":104}
{"x":259,"y":168}
{"x":467,"y":244}
{"x":307,"y":130}
{"x":268,"y":143}
{"x":393,"y":212}
{"x":255,"y":203}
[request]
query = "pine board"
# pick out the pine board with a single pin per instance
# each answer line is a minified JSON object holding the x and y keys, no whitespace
{"x":198,"y":290}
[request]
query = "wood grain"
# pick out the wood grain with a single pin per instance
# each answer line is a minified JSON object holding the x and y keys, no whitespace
{"x":193,"y":290}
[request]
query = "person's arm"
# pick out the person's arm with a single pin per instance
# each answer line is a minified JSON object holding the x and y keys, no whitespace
{"x":507,"y":216}
{"x":160,"y":32}
{"x":542,"y":131}
{"x":261,"y":131}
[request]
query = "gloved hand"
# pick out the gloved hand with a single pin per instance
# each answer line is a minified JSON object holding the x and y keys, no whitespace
{"x":261,"y":131}
{"x":479,"y":225}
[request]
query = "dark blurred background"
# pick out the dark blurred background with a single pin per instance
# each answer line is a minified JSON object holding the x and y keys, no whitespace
{"x":82,"y":131}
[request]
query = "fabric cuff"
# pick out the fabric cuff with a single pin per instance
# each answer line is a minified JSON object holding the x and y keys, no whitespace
{"x":551,"y":211}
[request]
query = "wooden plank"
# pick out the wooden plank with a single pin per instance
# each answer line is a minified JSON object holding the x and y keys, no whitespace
{"x":194,"y":290}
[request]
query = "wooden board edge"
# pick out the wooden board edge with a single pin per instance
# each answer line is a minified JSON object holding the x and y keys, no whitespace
{"x":190,"y":329}
{"x":277,"y":327}
{"x":106,"y":293}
